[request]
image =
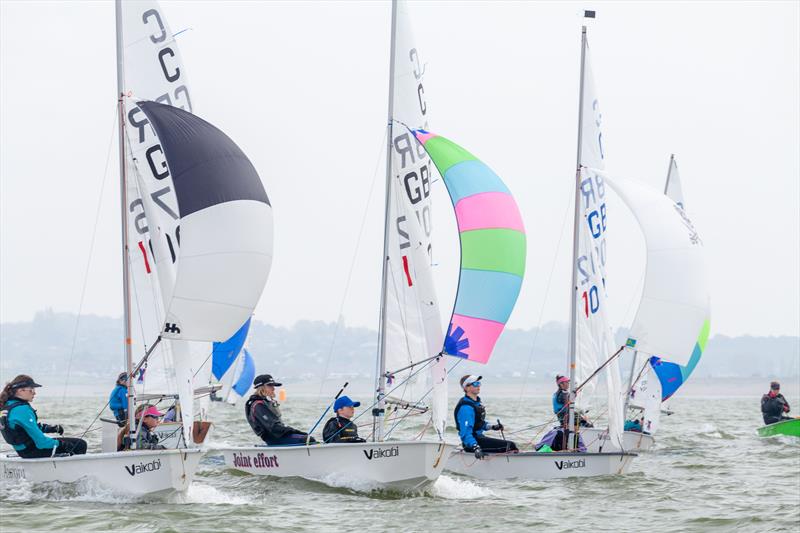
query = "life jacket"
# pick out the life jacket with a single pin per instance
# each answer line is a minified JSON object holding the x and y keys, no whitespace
{"x":248,"y":412}
{"x":15,"y":436}
{"x":340,"y":429}
{"x":480,"y":413}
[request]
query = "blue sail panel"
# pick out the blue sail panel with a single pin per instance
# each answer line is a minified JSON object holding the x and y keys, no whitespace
{"x":225,"y":353}
{"x":246,"y":377}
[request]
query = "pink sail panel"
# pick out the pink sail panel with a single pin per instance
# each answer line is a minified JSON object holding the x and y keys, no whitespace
{"x":488,"y":210}
{"x":483,"y":335}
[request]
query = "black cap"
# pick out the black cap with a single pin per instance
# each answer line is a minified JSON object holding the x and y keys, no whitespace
{"x":265,"y":379}
{"x":775,"y":385}
{"x":123,"y":376}
{"x":24,"y":384}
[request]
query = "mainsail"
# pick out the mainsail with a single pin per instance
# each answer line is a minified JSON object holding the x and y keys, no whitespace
{"x":493,"y":247}
{"x":412,"y":322}
{"x":672,"y":187}
{"x":591,"y":337}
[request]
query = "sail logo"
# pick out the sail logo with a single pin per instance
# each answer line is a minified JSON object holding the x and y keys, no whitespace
{"x":257,"y":461}
{"x":694,"y":237}
{"x":142,"y":468}
{"x":561,"y":465}
{"x":172,"y":328}
{"x":381,"y":453}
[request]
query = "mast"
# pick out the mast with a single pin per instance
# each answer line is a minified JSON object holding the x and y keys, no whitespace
{"x":126,"y":298}
{"x":669,"y":172}
{"x":575,"y":236}
{"x":630,"y":383}
{"x":380,"y":385}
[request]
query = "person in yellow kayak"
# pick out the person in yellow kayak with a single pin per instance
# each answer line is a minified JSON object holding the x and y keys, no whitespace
{"x":774,"y":406}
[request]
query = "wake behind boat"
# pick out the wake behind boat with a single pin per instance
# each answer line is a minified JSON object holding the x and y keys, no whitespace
{"x":540,"y":466}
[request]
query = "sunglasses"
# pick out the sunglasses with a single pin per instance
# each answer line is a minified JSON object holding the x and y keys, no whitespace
{"x":476,"y":384}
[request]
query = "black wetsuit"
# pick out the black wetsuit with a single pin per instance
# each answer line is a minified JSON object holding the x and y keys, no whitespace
{"x":340,"y":429}
{"x":264,"y":416}
{"x":773,"y":408}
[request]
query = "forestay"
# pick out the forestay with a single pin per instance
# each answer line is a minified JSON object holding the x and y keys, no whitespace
{"x":493,"y":248}
{"x":673,"y":319}
{"x":413,"y":329}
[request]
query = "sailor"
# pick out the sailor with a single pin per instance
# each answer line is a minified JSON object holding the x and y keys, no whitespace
{"x":561,"y":397}
{"x":264,"y":415}
{"x":634,"y":425}
{"x":340,"y":428}
{"x":471,"y":422}
{"x":774,"y":405}
{"x":146,"y":438}
{"x":118,"y":401}
{"x":20,"y":425}
{"x":561,"y":402}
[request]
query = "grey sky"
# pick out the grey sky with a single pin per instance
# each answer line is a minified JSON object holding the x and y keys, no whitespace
{"x":302,"y":88}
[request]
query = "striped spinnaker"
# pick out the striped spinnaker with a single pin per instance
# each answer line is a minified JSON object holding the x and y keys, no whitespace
{"x":492,"y":249}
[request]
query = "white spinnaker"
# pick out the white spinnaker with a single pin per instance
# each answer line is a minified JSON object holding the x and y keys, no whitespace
{"x":672,"y":187}
{"x":675,"y":300}
{"x":153,"y":70}
{"x":413,"y":322}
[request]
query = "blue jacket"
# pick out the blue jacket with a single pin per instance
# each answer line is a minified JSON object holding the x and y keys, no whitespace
{"x":25,"y":417}
{"x":558,"y":405}
{"x":119,"y":398}
{"x":466,"y":422}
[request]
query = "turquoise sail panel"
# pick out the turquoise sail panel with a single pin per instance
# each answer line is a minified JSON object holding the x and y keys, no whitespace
{"x":493,"y":249}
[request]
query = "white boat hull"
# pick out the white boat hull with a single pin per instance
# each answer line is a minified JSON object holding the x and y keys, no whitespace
{"x":539,"y":466}
{"x":597,"y":440}
{"x":393,"y":465}
{"x":136,"y":473}
{"x":170,"y":435}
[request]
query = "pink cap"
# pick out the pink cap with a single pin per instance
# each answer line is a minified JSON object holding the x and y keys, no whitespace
{"x":152,"y":411}
{"x":563,"y":379}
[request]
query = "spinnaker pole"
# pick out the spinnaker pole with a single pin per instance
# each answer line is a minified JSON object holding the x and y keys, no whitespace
{"x":575,"y":236}
{"x":380,"y":386}
{"x":126,"y":297}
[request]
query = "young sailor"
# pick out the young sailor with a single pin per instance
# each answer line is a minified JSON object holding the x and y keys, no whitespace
{"x":264,"y":415}
{"x":774,"y":405}
{"x":118,"y":401}
{"x":561,"y":397}
{"x":340,"y":428}
{"x":146,"y":439}
{"x":471,"y":422}
{"x":20,"y":425}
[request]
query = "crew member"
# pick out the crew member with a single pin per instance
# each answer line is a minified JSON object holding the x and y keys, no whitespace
{"x":773,"y":405}
{"x":20,"y":425}
{"x":264,"y":415}
{"x":340,"y":428}
{"x":471,"y":422}
{"x":146,"y":438}
{"x":561,"y":402}
{"x":118,"y":401}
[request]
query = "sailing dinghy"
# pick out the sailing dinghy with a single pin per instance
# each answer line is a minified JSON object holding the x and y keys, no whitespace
{"x":196,"y":219}
{"x":789,"y":428}
{"x":590,"y":333}
{"x":412,"y":376}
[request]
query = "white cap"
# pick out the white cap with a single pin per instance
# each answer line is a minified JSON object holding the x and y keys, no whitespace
{"x":470,"y":379}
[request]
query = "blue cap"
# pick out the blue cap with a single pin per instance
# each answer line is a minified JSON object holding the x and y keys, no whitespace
{"x":344,"y":401}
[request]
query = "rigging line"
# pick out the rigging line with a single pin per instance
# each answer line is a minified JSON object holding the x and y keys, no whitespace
{"x":89,"y":260}
{"x":544,"y":303}
{"x":409,"y":411}
{"x":352,"y":266}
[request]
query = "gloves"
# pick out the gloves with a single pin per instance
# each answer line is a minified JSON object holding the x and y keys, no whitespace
{"x":498,"y":427}
{"x":58,"y":428}
{"x":48,"y":428}
{"x":479,"y":454}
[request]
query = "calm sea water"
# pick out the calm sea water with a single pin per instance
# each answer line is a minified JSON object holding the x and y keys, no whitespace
{"x":707,"y":472}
